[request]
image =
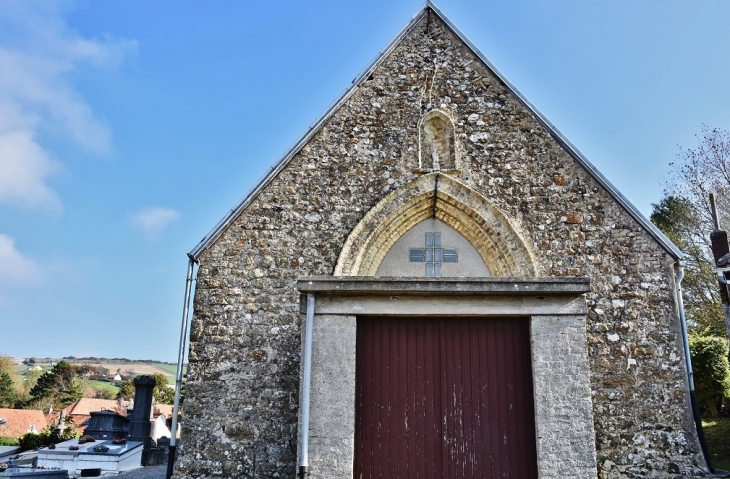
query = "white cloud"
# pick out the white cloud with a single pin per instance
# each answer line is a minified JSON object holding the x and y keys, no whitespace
{"x":153,"y":221}
{"x":16,"y":268}
{"x":25,"y":166}
{"x":38,"y":54}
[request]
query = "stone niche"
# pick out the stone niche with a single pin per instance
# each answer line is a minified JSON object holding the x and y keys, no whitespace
{"x":436,"y":145}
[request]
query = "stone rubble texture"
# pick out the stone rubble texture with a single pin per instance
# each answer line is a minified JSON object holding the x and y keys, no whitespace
{"x":242,"y":392}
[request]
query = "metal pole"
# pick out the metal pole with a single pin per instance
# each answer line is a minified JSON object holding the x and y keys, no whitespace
{"x":179,"y":376}
{"x":306,"y":383}
{"x":713,"y":209}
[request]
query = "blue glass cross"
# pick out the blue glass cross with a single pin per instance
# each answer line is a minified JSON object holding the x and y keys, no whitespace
{"x":433,"y":255}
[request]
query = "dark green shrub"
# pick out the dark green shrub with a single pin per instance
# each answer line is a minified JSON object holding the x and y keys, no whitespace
{"x":31,"y":440}
{"x":49,"y":436}
{"x":711,"y":371}
{"x":8,"y":441}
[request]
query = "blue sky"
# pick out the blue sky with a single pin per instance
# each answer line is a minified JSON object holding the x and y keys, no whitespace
{"x":128,"y":129}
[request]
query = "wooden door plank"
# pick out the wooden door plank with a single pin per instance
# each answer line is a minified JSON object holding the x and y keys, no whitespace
{"x":444,"y":397}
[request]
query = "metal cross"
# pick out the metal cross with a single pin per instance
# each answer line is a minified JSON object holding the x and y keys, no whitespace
{"x":434,"y":255}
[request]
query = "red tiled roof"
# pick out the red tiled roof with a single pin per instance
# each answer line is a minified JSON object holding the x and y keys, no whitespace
{"x":165,"y":409}
{"x":19,"y":421}
{"x":81,"y":410}
{"x":86,"y":406}
{"x":53,"y":416}
{"x":79,"y":421}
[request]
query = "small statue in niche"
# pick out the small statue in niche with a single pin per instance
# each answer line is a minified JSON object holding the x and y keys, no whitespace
{"x":436,"y":143}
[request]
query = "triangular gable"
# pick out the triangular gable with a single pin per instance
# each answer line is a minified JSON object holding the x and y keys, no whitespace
{"x":430,"y":8}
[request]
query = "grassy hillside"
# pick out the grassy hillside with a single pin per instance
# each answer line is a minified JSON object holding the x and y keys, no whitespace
{"x":104,"y":386}
{"x":170,"y":368}
{"x":131,"y":366}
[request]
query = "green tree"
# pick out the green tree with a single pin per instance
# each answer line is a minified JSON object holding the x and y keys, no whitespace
{"x":126,"y":390}
{"x":712,"y":372}
{"x":8,"y":394}
{"x":698,"y":172}
{"x":7,"y":367}
{"x":73,"y":392}
{"x":29,"y":381}
{"x":104,"y":394}
{"x":162,"y":393}
{"x":679,"y":220}
{"x":57,"y":388}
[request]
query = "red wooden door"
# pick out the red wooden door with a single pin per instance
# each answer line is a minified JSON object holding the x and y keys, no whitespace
{"x":444,"y":398}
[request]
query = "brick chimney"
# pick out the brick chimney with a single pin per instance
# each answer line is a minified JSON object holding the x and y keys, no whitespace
{"x":720,"y":248}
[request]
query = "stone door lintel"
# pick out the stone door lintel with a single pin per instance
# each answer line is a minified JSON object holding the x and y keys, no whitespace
{"x":445,"y":296}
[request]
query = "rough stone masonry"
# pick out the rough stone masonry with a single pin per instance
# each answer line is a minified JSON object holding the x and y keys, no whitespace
{"x":243,"y":379}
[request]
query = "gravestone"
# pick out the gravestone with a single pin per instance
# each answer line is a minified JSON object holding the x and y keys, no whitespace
{"x":107,"y":425}
{"x":140,"y":421}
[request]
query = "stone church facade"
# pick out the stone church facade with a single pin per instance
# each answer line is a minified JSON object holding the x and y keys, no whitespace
{"x":432,"y":189}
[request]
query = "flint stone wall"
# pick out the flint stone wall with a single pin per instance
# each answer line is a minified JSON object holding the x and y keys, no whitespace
{"x":242,"y":392}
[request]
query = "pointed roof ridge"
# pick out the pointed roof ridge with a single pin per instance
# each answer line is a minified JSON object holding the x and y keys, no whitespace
{"x":218,"y":229}
{"x":221,"y":226}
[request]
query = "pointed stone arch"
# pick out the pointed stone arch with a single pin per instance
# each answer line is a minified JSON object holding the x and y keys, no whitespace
{"x":465,"y":210}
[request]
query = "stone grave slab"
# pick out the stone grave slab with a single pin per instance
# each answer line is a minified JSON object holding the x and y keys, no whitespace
{"x":119,"y":457}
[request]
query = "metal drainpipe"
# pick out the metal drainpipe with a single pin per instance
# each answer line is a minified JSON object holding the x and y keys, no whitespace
{"x":306,"y":387}
{"x":690,"y":374}
{"x":178,"y":378}
{"x":683,"y":322}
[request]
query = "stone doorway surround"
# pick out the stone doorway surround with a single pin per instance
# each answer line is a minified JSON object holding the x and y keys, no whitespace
{"x":557,"y":311}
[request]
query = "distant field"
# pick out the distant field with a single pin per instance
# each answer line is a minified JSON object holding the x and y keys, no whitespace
{"x":170,"y":368}
{"x":131,"y":366}
{"x":137,"y":368}
{"x":103,"y":385}
{"x":19,"y":368}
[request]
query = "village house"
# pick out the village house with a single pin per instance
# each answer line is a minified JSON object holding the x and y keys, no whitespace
{"x":434,"y":280}
{"x":16,"y":422}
